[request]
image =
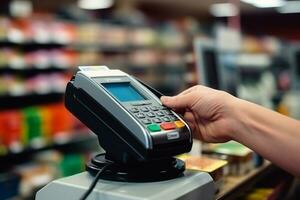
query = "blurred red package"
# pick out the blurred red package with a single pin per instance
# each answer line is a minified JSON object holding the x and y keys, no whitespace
{"x":11,"y":129}
{"x":62,"y":121}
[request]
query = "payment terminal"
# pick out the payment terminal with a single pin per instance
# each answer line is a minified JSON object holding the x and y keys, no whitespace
{"x":139,"y":134}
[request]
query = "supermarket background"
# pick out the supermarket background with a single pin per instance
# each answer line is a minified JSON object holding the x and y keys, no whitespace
{"x":249,"y":48}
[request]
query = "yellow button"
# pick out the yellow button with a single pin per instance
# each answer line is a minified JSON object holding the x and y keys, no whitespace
{"x":179,"y":124}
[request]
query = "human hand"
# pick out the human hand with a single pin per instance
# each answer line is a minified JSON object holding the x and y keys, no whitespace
{"x":210,"y":113}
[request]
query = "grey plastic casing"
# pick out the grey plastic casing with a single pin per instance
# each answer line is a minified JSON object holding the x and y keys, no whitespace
{"x":194,"y":185}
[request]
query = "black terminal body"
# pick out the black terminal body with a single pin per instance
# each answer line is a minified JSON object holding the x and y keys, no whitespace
{"x":133,"y":127}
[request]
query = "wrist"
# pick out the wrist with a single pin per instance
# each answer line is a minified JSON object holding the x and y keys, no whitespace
{"x":238,"y":118}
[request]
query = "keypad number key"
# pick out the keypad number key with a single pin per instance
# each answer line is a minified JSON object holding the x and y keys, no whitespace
{"x":167,"y":112}
{"x":150,"y":114}
{"x":157,"y":120}
{"x":160,"y":114}
{"x":173,"y":117}
{"x":154,"y":108}
{"x":166,"y":119}
{"x":140,"y":115}
{"x":134,"y":110}
{"x":146,"y":121}
{"x":144,"y":109}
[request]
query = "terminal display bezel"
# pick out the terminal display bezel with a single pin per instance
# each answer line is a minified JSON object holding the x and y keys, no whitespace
{"x":148,"y":99}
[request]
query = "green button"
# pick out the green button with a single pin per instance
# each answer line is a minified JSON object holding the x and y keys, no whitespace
{"x":153,"y":127}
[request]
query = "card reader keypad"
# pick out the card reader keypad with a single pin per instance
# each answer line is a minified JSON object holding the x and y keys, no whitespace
{"x":156,"y":118}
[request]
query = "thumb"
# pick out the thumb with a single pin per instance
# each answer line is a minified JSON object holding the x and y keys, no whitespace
{"x":178,"y":102}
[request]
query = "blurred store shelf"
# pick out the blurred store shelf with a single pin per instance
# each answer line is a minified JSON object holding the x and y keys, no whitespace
{"x":79,"y":142}
{"x":236,"y":186}
{"x":15,"y":102}
{"x":30,"y":45}
{"x":31,"y":70}
{"x":71,"y":141}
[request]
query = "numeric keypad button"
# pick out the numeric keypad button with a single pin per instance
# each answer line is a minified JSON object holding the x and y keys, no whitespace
{"x":134,"y":110}
{"x":157,"y":120}
{"x":167,"y":112}
{"x":146,"y":121}
{"x":154,"y":108}
{"x":160,"y":113}
{"x":150,"y":114}
{"x":172,"y":117}
{"x":140,"y":115}
{"x":144,"y":109}
{"x":166,"y":119}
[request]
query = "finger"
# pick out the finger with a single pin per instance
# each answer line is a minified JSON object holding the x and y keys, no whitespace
{"x":192,"y":122}
{"x":187,"y":91}
{"x":188,"y":116}
{"x":179,"y":102}
{"x":200,"y":129}
{"x":182,"y":110}
{"x":192,"y":127}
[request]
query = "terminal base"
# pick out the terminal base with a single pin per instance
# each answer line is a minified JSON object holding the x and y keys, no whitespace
{"x":140,"y":172}
{"x":193,"y":185}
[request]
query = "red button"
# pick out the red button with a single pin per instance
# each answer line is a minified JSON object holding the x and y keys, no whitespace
{"x":167,"y":125}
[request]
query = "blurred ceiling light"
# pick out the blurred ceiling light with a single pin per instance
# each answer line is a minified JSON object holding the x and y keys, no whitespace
{"x":20,"y":8}
{"x":223,"y":10}
{"x":290,"y":7}
{"x":265,"y":3}
{"x":95,"y":4}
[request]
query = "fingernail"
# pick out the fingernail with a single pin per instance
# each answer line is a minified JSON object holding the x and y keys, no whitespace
{"x":164,"y":98}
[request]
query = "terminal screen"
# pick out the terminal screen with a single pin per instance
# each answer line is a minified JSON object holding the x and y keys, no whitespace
{"x":123,"y":91}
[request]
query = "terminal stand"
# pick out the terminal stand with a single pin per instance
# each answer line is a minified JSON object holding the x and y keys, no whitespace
{"x":191,"y":185}
{"x":151,"y":171}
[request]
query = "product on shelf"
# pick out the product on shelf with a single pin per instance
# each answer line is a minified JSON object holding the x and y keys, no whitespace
{"x":62,"y":122}
{"x":144,"y":58}
{"x":87,"y":33}
{"x":18,"y":31}
{"x":62,"y":58}
{"x":46,"y":123}
{"x":39,"y":84}
{"x":45,"y":167}
{"x":89,"y":57}
{"x":59,"y":44}
{"x":143,"y":37}
{"x":259,"y":193}
{"x":13,"y":86}
{"x":72,"y":164}
{"x":172,"y":38}
{"x":32,"y":132}
{"x":215,"y":167}
{"x":40,"y":31}
{"x":239,"y":157}
{"x":9,"y":184}
{"x":36,"y":127}
{"x":11,"y":128}
{"x":38,"y":59}
{"x":114,"y":36}
{"x":4,"y":23}
{"x":172,"y":58}
{"x":102,"y":35}
{"x":15,"y":59}
{"x":63,"y":32}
